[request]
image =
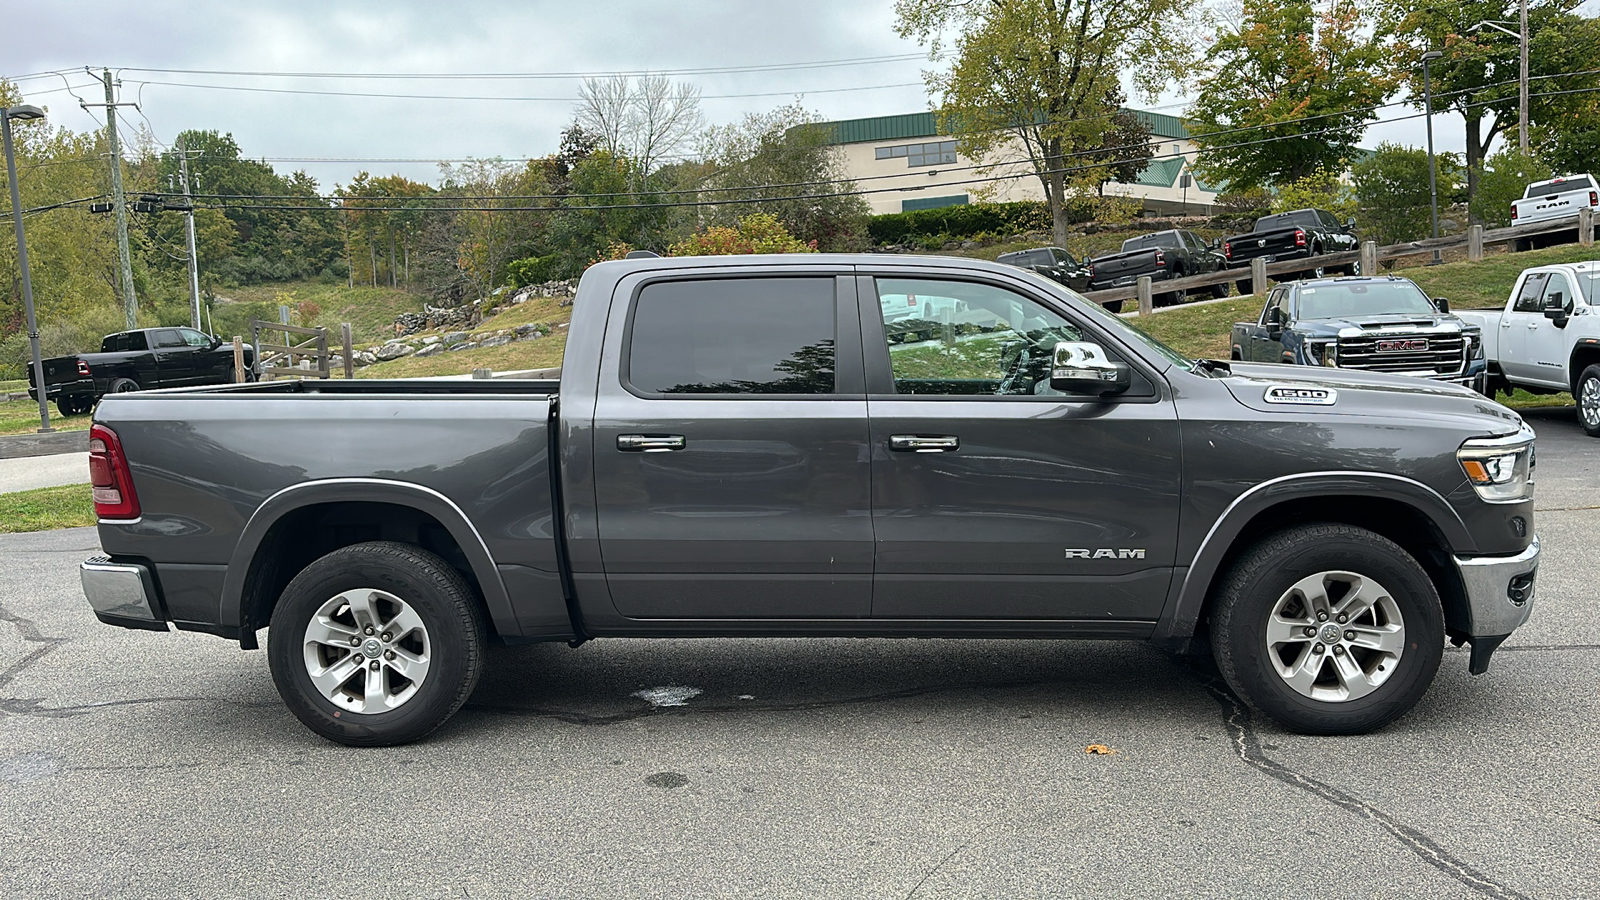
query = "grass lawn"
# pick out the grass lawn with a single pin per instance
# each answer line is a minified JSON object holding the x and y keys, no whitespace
{"x":1486,"y":284}
{"x":40,"y":510}
{"x":370,"y":311}
{"x":22,"y":417}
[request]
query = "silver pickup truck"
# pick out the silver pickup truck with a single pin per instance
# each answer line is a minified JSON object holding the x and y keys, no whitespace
{"x":736,"y":446}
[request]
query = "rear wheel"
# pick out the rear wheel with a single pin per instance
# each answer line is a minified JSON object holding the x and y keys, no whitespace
{"x":1588,"y":396}
{"x":1218,"y":291}
{"x":376,"y":644}
{"x":1328,"y":629}
{"x":1114,"y":306}
{"x":123,"y":386}
{"x":1246,"y":287}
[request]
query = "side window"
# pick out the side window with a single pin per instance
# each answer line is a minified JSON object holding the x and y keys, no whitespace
{"x":957,"y":337}
{"x":1274,"y":301}
{"x":1556,"y":286}
{"x":733,"y":336}
{"x":194,"y":338}
{"x":168,"y":338}
{"x":1532,"y":292}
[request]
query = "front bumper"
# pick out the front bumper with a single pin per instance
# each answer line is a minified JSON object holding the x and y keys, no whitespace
{"x":122,"y":594}
{"x":1499,"y":598}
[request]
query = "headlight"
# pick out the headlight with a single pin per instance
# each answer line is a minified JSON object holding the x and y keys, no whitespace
{"x":1500,"y":469}
{"x":1323,"y":353}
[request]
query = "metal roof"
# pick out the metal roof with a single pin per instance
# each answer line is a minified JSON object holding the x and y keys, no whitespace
{"x":908,"y":126}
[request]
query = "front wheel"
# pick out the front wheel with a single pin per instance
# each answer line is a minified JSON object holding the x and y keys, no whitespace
{"x":376,"y":644}
{"x":1246,"y":287}
{"x":1328,"y":629}
{"x":1588,"y":397}
{"x":1113,"y":306}
{"x":1218,"y":291}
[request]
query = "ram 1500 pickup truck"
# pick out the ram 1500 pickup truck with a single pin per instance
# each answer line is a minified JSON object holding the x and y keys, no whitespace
{"x":1385,"y":324}
{"x":1163,"y":256}
{"x":1299,"y":234}
{"x":136,"y":360}
{"x":735,"y":448}
{"x":1547,"y":339}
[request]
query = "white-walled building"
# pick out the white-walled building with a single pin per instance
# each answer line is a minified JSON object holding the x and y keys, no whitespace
{"x":907,"y":165}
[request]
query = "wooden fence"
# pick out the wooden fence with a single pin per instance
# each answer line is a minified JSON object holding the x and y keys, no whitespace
{"x":1475,"y":239}
{"x":287,"y":358}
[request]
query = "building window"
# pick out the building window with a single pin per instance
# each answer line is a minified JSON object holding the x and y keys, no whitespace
{"x":930,"y":154}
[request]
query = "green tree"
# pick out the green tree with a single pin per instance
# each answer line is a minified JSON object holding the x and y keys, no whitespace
{"x":1506,"y":175}
{"x":1034,"y":84}
{"x":782,"y":163}
{"x":1391,"y":190}
{"x":1287,"y":92}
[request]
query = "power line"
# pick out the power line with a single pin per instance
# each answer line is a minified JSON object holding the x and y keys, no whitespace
{"x":455,"y":97}
{"x":514,"y":76}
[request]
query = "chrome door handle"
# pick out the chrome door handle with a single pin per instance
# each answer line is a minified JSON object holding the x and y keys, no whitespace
{"x":1506,"y":324}
{"x":1532,"y":325}
{"x":650,"y":443}
{"x":924,"y":443}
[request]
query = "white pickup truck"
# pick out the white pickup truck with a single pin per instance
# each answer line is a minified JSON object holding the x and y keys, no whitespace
{"x":1547,"y":339}
{"x":1556,"y":198}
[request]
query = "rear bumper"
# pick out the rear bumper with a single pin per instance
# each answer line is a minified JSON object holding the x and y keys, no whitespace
{"x":122,"y":594}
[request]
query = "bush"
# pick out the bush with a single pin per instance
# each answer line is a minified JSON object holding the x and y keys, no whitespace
{"x":533,"y":270}
{"x":79,"y":333}
{"x":966,"y":221}
{"x":760,"y":233}
{"x":1321,"y":189}
{"x":1392,"y":192}
{"x":1505,"y":176}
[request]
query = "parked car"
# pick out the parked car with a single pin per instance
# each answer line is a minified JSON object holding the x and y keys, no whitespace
{"x":1547,"y":339}
{"x":1556,"y":198}
{"x":735,"y":448}
{"x":1300,"y":234}
{"x":136,"y":360}
{"x":1384,"y":324}
{"x":1053,"y":263}
{"x":1163,"y":255}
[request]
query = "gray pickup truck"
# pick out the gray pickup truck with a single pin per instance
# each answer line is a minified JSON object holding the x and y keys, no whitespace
{"x":735,"y":448}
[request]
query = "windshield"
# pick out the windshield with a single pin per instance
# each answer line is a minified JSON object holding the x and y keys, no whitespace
{"x":1303,"y":218}
{"x":1559,"y":186}
{"x":1337,"y":300}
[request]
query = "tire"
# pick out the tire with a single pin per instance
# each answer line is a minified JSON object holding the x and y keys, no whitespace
{"x":1522,"y":245}
{"x":1113,"y":306}
{"x":1352,"y":269}
{"x":1588,"y":397}
{"x":1246,"y":287}
{"x":1218,"y":291}
{"x":1305,"y":577}
{"x":1171,"y":298}
{"x":74,"y":406}
{"x":426,"y":668}
{"x":122,"y":386}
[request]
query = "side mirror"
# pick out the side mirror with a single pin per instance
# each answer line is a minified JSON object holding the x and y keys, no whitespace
{"x":1216,"y":243}
{"x":1350,"y":224}
{"x":1555,"y":309}
{"x":1079,"y":367}
{"x":215,"y":342}
{"x":1442,"y":303}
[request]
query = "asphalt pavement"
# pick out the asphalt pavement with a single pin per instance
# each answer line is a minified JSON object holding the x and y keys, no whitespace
{"x":29,"y":472}
{"x":144,"y":764}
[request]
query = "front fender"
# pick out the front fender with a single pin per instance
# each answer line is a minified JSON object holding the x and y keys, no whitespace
{"x":368,"y":490}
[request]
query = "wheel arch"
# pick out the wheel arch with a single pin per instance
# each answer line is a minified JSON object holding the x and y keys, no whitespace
{"x":1405,"y":511}
{"x":1583,"y":356}
{"x":303,"y":522}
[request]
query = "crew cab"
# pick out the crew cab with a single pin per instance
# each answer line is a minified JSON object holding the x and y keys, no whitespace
{"x":734,"y":447}
{"x":1162,"y":255}
{"x":1053,"y":263}
{"x":144,"y":359}
{"x":1384,"y":324}
{"x":1298,"y":234}
{"x":1547,"y":339}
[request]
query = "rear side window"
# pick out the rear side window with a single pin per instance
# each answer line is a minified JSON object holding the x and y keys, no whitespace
{"x":733,"y":336}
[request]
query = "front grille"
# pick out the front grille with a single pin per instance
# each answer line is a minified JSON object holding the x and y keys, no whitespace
{"x":1445,"y":356}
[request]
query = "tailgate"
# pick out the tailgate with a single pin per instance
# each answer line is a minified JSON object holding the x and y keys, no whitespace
{"x":1125,"y":266}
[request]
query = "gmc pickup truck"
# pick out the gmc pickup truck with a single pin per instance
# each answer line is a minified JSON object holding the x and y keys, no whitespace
{"x":136,"y":360}
{"x":1163,"y":255}
{"x":1299,"y":234}
{"x":1385,"y":324}
{"x":734,"y":447}
{"x":1547,"y":340}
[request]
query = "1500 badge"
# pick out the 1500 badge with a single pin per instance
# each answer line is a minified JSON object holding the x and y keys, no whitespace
{"x":1304,"y":396}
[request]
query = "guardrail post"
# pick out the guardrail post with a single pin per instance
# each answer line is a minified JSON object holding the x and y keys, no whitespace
{"x":1369,"y":257}
{"x":1258,"y":277}
{"x":1586,"y":227}
{"x":1475,"y":243}
{"x":238,"y":360}
{"x":349,"y":360}
{"x":482,"y":373}
{"x":1147,"y":304}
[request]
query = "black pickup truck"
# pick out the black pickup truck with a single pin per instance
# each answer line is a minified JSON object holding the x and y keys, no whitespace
{"x":1163,"y":255}
{"x":133,"y":361}
{"x":1053,"y":263}
{"x":1299,"y":234}
{"x":736,"y":447}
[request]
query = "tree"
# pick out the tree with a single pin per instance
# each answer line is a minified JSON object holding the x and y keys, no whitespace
{"x":1506,"y":174}
{"x":1034,"y":84}
{"x":1480,"y":70}
{"x":783,"y":164}
{"x":1289,"y":90}
{"x":645,"y":119}
{"x":755,"y":233}
{"x":1391,"y":187}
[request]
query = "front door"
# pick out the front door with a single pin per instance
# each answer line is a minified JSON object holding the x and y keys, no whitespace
{"x":730,"y":462}
{"x":996,"y":497}
{"x":1524,"y":317}
{"x":1546,"y":347}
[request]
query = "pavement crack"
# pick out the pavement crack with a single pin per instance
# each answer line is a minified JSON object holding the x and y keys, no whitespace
{"x":1248,"y":746}
{"x":941,"y":864}
{"x":31,"y":634}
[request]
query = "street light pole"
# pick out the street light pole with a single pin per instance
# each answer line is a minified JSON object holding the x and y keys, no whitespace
{"x":1433,"y":178}
{"x":23,"y":114}
{"x":1522,"y":87}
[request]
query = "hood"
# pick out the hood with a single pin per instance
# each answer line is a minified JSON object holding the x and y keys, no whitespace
{"x":1439,"y":323}
{"x":1351,"y":392}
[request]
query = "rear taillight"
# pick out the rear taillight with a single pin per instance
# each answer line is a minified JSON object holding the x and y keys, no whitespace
{"x":1594,"y":198}
{"x":109,"y":474}
{"x":83,"y":368}
{"x":1227,"y":249}
{"x":1161,"y":258}
{"x":1091,"y":272}
{"x":1299,"y":238}
{"x":1513,"y":212}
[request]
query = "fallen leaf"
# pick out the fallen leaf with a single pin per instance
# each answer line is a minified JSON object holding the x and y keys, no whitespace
{"x":1098,"y":750}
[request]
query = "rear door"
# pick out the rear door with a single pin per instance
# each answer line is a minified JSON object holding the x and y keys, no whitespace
{"x":730,"y":449}
{"x":995,"y":497}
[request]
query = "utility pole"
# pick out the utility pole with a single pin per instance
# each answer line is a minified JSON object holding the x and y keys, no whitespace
{"x":1522,"y":87}
{"x":188,"y":216}
{"x":119,"y":204}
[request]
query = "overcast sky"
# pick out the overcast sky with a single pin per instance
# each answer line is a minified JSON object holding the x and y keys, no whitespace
{"x":464,"y":37}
